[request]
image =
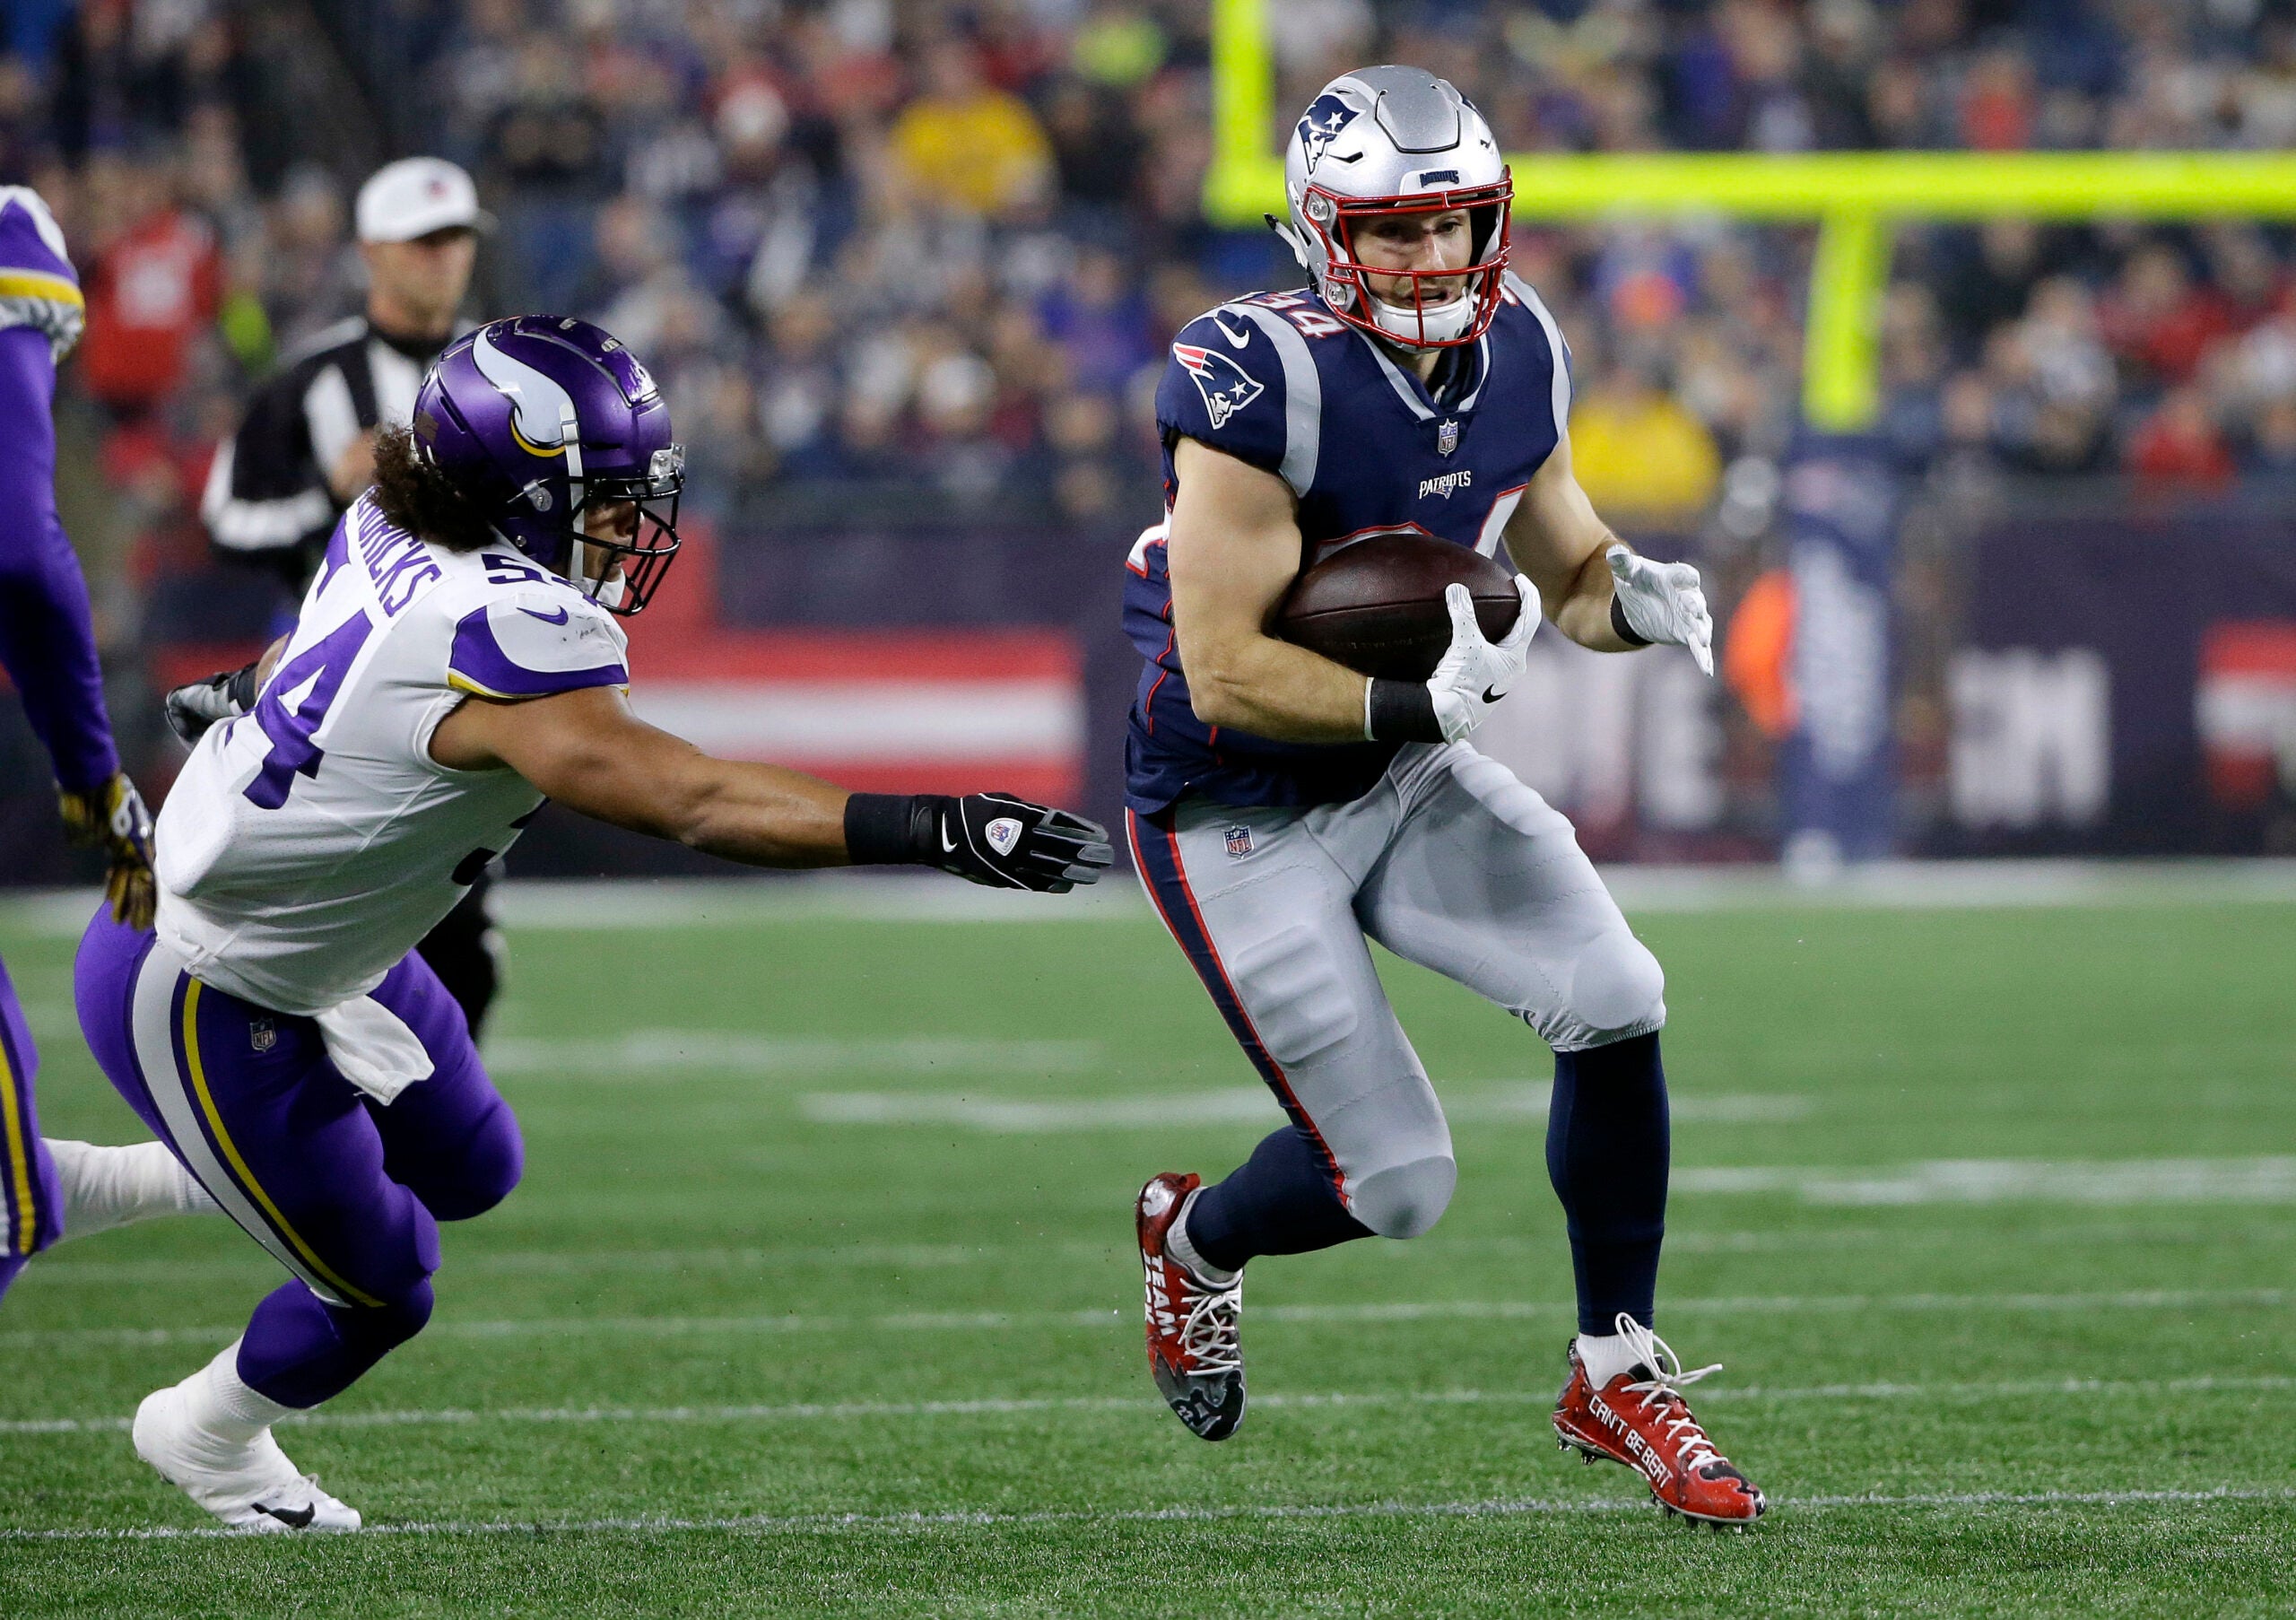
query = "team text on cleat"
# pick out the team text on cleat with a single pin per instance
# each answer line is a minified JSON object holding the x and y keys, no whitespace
{"x":1194,"y":1347}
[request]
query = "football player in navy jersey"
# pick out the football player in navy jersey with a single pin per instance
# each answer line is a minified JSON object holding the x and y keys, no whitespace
{"x":1284,"y":810}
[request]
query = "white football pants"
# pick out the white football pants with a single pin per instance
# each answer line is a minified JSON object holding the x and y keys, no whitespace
{"x":1450,"y":862}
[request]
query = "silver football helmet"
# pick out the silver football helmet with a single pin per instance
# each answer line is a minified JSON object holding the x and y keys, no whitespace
{"x":1397,"y":140}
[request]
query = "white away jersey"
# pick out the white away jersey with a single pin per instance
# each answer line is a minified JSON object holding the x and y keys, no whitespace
{"x":310,"y":843}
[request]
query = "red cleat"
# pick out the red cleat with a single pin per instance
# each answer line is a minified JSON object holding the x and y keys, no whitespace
{"x":1194,"y":1347}
{"x":1639,"y":1418}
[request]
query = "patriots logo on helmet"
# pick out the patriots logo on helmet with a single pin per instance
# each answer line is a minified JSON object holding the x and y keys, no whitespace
{"x":1326,"y":115}
{"x":1226,"y":387}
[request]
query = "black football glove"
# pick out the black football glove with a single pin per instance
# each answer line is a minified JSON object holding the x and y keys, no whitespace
{"x":984,"y":838}
{"x":1008,"y":842}
{"x":113,"y":819}
{"x":192,"y":708}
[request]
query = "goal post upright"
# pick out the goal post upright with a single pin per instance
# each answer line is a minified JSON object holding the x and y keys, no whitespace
{"x":1855,"y":198}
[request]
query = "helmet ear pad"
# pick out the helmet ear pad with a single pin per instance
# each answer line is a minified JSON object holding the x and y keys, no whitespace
{"x":510,"y":511}
{"x":547,"y":544}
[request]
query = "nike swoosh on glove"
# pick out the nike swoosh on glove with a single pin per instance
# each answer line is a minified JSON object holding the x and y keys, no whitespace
{"x":1475,"y":672}
{"x":112,"y":818}
{"x":1663,"y":603}
{"x":1008,"y":843}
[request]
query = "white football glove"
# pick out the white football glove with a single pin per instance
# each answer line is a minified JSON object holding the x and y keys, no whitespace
{"x":1475,"y":674}
{"x":1662,"y":602}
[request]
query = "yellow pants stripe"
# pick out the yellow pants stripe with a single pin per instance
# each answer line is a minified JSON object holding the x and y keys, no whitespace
{"x":22,"y":1218}
{"x":192,"y":987}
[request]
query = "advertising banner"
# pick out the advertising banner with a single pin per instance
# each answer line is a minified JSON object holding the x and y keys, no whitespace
{"x":2126,"y":686}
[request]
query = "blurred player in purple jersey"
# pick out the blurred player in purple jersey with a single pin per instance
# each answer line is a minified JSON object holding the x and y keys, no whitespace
{"x":1285,"y":811}
{"x":54,"y":1189}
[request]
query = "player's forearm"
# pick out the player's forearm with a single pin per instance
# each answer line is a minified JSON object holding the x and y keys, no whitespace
{"x":47,"y":643}
{"x":763,"y":815}
{"x":1274,"y":690}
{"x":1581,"y":609}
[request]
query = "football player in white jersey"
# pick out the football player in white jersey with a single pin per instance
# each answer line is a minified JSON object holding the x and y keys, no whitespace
{"x":456,"y":661}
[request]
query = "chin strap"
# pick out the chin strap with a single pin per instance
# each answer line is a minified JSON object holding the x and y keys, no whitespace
{"x":1284,"y":229}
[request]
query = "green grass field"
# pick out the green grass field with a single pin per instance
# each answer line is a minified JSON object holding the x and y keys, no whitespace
{"x":819,"y":1297}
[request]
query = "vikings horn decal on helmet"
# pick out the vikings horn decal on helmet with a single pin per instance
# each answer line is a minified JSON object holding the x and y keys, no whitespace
{"x":1384,"y":141}
{"x":543,"y":419}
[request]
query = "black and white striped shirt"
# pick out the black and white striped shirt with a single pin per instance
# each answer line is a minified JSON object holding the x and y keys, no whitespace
{"x":267,"y":500}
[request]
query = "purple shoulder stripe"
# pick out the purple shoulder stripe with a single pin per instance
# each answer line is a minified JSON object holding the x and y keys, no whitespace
{"x":478,"y":663}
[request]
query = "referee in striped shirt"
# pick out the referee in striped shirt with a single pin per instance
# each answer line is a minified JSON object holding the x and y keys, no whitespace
{"x":305,"y":448}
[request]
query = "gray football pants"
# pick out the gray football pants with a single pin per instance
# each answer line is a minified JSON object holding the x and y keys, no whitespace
{"x":1450,"y":862}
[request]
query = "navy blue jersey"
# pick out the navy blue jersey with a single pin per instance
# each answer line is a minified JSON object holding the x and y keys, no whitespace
{"x":1276,"y":380}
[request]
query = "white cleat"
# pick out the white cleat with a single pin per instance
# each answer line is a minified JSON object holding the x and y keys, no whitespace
{"x":250,"y":1486}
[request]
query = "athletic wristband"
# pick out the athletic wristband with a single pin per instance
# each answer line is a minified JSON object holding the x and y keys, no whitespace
{"x":240,"y":688}
{"x":1400,"y":711}
{"x":1622,"y":629}
{"x":882,"y":829}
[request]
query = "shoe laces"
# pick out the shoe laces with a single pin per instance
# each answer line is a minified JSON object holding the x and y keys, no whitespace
{"x":1209,"y":1334}
{"x":1662,"y":1392}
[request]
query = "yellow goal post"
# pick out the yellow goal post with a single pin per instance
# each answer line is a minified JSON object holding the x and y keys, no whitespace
{"x":1855,"y":197}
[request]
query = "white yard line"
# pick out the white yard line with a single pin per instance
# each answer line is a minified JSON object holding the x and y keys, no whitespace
{"x":1475,"y":1101}
{"x":1404,"y":1310}
{"x":813,"y":1411}
{"x":2109,"y":1182}
{"x":834,"y":1523}
{"x":649,"y":1054}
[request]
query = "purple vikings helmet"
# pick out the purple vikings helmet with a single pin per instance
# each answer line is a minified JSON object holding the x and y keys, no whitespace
{"x":538,"y":418}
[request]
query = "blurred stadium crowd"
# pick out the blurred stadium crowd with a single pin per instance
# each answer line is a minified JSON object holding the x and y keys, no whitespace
{"x":942,"y":246}
{"x":904,"y":263}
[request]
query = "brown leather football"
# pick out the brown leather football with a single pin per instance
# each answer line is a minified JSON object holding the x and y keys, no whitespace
{"x":1376,"y":606}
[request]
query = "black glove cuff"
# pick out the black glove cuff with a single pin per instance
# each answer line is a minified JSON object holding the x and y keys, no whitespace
{"x":1402,"y":711}
{"x":1622,"y":629}
{"x":241,"y":688}
{"x":882,"y":829}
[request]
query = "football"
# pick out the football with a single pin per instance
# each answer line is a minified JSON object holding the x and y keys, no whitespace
{"x":1376,"y":606}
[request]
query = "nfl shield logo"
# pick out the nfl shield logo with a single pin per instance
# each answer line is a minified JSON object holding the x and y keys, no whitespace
{"x":261,"y":1034}
{"x":1446,"y":438}
{"x":1240,"y":842}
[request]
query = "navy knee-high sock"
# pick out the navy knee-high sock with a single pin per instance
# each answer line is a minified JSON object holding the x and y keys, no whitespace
{"x":1606,"y":1147}
{"x":1279,"y":1201}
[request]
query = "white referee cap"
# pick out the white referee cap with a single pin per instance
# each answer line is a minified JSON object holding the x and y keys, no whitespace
{"x":414,"y":196}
